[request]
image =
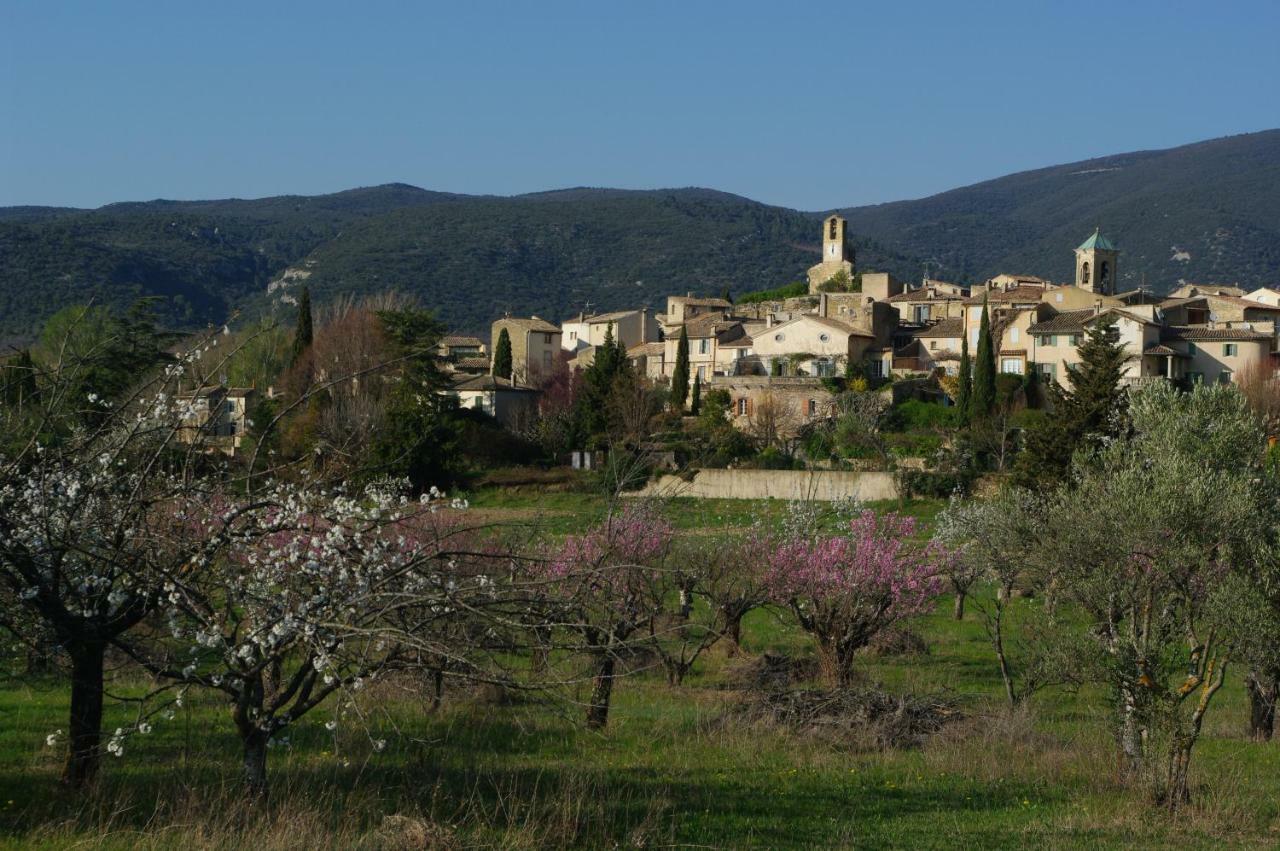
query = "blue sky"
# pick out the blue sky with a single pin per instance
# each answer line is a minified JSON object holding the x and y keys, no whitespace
{"x":811,"y":105}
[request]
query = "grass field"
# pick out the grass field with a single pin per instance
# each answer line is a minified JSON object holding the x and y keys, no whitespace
{"x":670,"y":770}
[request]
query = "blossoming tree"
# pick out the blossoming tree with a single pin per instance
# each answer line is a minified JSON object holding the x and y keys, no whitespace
{"x":846,"y":588}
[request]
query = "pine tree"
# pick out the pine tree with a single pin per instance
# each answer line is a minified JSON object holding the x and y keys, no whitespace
{"x":680,"y":375}
{"x":964,"y":381}
{"x":695,"y":405}
{"x":1092,"y":408}
{"x":502,"y":355}
{"x":984,"y":370}
{"x":302,"y":334}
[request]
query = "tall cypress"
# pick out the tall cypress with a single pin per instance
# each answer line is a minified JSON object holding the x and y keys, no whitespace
{"x":1091,"y":409}
{"x":680,"y":375}
{"x":695,"y":405}
{"x":502,"y":355}
{"x":984,"y":371}
{"x":302,"y":334}
{"x":964,"y":381}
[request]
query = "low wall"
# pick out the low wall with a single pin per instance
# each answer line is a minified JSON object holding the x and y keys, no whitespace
{"x":826,"y":485}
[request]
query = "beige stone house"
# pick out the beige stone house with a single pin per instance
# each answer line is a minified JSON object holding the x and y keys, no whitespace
{"x":1217,"y":354}
{"x":217,"y":416}
{"x":1055,"y":342}
{"x":681,"y":308}
{"x":1207,"y":309}
{"x":455,"y":347}
{"x":928,"y":303}
{"x":930,"y":348}
{"x":1265,"y":295}
{"x":535,"y":344}
{"x":810,"y":345}
{"x":509,"y":403}
{"x":771,"y":406}
{"x":630,"y":328}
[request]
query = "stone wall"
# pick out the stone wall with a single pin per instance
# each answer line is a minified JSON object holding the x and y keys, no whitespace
{"x":823,"y":485}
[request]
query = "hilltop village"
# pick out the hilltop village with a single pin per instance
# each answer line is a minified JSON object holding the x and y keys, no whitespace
{"x":871,"y":327}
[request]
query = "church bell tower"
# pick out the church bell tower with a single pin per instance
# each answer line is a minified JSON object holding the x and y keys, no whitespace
{"x":834,"y":247}
{"x":1096,"y":260}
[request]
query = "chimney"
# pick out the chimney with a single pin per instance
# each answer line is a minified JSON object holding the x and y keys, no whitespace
{"x":688,"y":294}
{"x":768,"y":320}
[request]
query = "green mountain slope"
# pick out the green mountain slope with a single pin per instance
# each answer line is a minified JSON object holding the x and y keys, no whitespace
{"x":469,"y":257}
{"x":1208,"y":212}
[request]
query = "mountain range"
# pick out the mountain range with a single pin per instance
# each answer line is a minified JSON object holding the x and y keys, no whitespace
{"x":1207,"y":212}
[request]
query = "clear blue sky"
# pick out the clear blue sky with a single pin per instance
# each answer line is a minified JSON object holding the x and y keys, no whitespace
{"x":811,"y":105}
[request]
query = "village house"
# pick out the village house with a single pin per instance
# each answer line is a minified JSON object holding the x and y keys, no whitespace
{"x":629,"y":327}
{"x":535,"y":345}
{"x":509,"y":403}
{"x":811,"y":345}
{"x":217,"y":416}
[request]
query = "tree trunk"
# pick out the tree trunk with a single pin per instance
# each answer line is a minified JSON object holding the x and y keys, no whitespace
{"x":437,"y":689}
{"x":959,"y":606}
{"x":733,"y":632}
{"x":253,"y":738}
{"x":601,"y":690}
{"x":255,"y":763}
{"x":86,"y":713}
{"x":1262,"y":705}
{"x":836,"y":664}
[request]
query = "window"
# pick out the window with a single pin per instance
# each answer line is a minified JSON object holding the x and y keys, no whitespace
{"x":1195,"y":377}
{"x":922,"y":313}
{"x":546,"y":338}
{"x":573,"y":335}
{"x":1047,"y":370}
{"x":1084,"y":272}
{"x":1058,"y":298}
{"x":742,"y":406}
{"x":1073,"y":339}
{"x":778,"y":338}
{"x":813,"y":407}
{"x":702,"y":374}
{"x":1104,"y":277}
{"x":1051,"y":339}
{"x":1011,"y":366}
{"x":1224,"y":377}
{"x":1191,"y":349}
{"x":703,"y":346}
{"x":933,"y":344}
{"x":1230,"y":350}
{"x":875,"y":368}
{"x":826,"y":338}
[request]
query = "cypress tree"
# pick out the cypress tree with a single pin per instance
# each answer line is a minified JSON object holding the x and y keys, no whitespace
{"x":695,"y":405}
{"x":302,"y":334}
{"x":18,"y":380}
{"x":984,"y":371}
{"x":964,"y":390}
{"x":680,"y":375}
{"x":502,"y":355}
{"x":727,"y":296}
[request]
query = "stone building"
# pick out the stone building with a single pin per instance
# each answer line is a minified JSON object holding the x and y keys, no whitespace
{"x":1096,"y":265}
{"x":535,"y":344}
{"x":837,"y":254}
{"x":217,"y":416}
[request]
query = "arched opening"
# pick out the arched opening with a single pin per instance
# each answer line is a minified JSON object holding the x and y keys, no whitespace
{"x":1104,"y":274}
{"x":831,"y":229}
{"x":1084,"y":273}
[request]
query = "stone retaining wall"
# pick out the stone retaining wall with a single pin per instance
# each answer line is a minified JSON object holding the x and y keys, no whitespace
{"x":825,"y":485}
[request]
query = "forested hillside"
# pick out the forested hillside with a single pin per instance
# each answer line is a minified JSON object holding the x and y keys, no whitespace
{"x":1208,"y":212}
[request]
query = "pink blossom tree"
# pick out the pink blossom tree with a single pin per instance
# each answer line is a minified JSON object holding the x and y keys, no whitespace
{"x":604,"y":586}
{"x":844,"y":589}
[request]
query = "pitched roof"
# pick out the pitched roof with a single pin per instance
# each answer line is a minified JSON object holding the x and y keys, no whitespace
{"x":1025,"y":294}
{"x":646,"y":349}
{"x":1066,"y":322}
{"x":708,"y":325}
{"x":452,"y":340}
{"x":1097,"y":241}
{"x":533,"y":323}
{"x":953,"y":327}
{"x":922,"y":294}
{"x":1160,"y":349}
{"x":1195,"y":333}
{"x":491,"y":382}
{"x":607,"y":317}
{"x":471,"y":363}
{"x":700,"y":302}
